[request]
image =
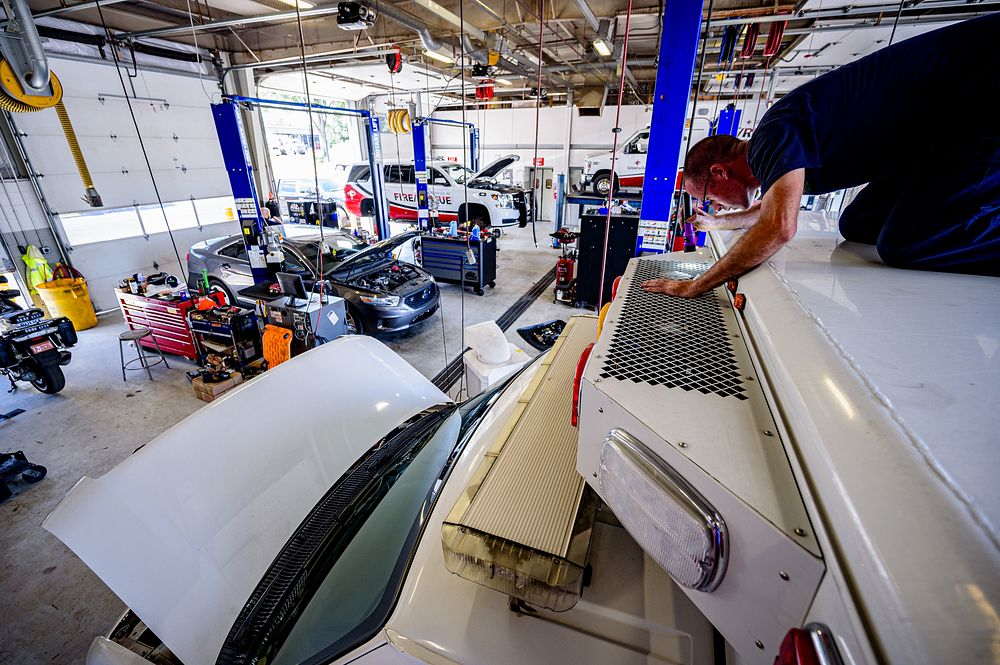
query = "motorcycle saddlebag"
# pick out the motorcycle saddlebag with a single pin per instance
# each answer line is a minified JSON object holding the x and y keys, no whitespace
{"x":7,"y":355}
{"x":67,"y":333}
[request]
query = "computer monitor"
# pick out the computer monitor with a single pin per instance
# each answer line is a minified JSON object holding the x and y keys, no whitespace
{"x":291,"y":285}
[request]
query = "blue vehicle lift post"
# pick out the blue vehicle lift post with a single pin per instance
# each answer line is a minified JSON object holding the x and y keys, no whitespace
{"x":420,"y":161}
{"x":236,"y":155}
{"x":678,"y":48}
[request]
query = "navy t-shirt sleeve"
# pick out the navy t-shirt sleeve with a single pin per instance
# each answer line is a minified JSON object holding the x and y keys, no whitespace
{"x":778,"y":147}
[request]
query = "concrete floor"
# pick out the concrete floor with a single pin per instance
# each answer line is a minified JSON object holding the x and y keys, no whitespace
{"x":51,"y":604}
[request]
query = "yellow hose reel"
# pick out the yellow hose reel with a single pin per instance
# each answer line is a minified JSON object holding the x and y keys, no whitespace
{"x":14,"y":99}
{"x":399,"y":121}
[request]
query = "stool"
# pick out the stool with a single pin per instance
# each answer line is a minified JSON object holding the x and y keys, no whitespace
{"x":135,"y":336}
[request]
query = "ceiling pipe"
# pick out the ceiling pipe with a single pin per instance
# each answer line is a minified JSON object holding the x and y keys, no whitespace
{"x":849,"y":12}
{"x":588,"y":14}
{"x":407,"y":21}
{"x":230,"y":23}
{"x":38,"y":76}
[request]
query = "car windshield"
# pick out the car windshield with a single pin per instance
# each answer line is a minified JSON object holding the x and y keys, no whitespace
{"x":457,"y":172}
{"x":338,"y":247}
{"x":346,"y":588}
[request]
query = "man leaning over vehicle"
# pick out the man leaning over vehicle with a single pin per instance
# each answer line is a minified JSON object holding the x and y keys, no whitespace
{"x":890,"y":120}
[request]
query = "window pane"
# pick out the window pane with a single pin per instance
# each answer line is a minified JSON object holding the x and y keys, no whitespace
{"x":86,"y":227}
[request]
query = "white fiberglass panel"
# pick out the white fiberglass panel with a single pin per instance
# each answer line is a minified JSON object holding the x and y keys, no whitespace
{"x":184,"y":529}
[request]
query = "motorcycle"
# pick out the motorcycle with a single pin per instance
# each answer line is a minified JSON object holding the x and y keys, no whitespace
{"x":33,"y":348}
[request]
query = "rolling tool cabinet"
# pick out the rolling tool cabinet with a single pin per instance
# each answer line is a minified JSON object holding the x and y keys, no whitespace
{"x":166,"y":318}
{"x":444,"y":258}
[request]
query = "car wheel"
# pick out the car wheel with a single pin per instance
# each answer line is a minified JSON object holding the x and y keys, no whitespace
{"x":602,"y":184}
{"x":353,"y":322}
{"x":219,"y":285}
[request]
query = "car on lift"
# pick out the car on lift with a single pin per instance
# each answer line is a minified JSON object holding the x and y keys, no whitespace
{"x":382,"y":293}
{"x":630,"y":167}
{"x":490,"y":203}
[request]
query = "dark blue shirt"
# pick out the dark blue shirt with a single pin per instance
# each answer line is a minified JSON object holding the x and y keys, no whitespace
{"x":885,"y":113}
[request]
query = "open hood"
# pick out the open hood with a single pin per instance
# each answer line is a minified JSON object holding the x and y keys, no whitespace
{"x":495,"y":167}
{"x":368,"y":254}
{"x":185,"y":528}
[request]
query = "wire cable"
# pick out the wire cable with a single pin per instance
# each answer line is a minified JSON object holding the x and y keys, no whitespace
{"x":128,"y":100}
{"x":899,"y":11}
{"x":535,"y":205}
{"x":617,"y":130}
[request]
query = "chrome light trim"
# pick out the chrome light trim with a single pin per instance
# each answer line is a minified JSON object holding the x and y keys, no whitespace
{"x":824,"y":644}
{"x":689,"y":499}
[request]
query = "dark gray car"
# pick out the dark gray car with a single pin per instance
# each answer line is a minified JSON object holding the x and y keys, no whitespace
{"x":382,"y":293}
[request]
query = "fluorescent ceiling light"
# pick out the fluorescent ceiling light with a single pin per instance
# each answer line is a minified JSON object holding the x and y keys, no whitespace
{"x":441,"y":57}
{"x":302,"y":4}
{"x":602,"y":47}
{"x":503,"y":81}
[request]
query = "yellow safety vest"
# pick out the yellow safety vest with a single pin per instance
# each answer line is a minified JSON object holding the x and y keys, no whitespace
{"x":37,"y":270}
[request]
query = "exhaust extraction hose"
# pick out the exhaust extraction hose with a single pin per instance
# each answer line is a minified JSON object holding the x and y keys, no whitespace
{"x":14,"y":99}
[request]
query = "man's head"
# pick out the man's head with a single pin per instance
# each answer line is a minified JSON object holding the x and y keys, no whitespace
{"x":265,"y":213}
{"x":716,"y":169}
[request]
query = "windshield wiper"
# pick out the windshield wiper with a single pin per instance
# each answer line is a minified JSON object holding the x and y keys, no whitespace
{"x":298,"y":570}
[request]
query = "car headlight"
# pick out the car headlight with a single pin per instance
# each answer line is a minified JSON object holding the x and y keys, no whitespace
{"x":383,"y":301}
{"x":587,"y":166}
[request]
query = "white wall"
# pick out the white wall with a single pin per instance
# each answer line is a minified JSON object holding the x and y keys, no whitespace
{"x":506,"y":131}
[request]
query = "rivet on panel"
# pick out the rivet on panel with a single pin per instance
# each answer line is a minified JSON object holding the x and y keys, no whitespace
{"x":799,"y":531}
{"x":768,"y":432}
{"x":783,"y":575}
{"x":595,"y":475}
{"x":682,"y":444}
{"x":600,"y":410}
{"x":760,"y":645}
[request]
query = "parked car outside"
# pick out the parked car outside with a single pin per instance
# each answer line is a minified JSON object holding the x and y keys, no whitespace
{"x":489,"y":202}
{"x":295,"y":193}
{"x":382,"y":294}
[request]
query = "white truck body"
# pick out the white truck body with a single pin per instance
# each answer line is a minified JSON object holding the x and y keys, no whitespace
{"x":630,"y":166}
{"x":855,"y":477}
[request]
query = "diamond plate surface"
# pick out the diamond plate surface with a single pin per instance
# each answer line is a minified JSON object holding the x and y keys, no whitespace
{"x":678,"y":343}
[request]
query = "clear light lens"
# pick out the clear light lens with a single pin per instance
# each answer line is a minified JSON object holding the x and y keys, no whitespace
{"x":385,"y":301}
{"x":602,"y":47}
{"x":506,"y":201}
{"x":668,"y":517}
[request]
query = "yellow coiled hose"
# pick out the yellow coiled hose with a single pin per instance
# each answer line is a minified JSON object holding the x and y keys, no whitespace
{"x":14,"y":99}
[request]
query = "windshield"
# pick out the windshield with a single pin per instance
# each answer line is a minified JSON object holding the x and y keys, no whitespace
{"x":343,"y":592}
{"x":338,"y":246}
{"x":457,"y":172}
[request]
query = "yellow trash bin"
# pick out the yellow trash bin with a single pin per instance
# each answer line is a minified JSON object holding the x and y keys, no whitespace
{"x":69,"y":298}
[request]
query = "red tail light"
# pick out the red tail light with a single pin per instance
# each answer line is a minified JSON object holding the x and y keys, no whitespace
{"x":580,"y":365}
{"x":614,"y":286}
{"x":813,"y":645}
{"x":187,"y":257}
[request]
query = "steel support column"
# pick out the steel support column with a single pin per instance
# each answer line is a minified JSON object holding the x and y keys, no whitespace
{"x":678,"y":47}
{"x":239,"y":166}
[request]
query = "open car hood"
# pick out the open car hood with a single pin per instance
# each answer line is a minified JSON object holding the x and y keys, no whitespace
{"x":495,"y":167}
{"x":381,"y":247}
{"x":185,"y":528}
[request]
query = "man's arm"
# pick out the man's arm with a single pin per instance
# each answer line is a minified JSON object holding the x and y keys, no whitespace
{"x":729,"y":221}
{"x":776,"y":225}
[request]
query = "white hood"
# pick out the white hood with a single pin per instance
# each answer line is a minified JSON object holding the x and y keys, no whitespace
{"x":185,"y":528}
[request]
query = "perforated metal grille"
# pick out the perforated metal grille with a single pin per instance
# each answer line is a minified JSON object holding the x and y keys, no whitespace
{"x":673,"y":342}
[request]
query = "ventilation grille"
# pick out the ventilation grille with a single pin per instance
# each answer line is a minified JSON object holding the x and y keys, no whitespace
{"x":673,"y":342}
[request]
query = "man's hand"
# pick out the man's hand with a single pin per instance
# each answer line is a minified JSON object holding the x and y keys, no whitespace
{"x":683,"y":288}
{"x":703,"y":221}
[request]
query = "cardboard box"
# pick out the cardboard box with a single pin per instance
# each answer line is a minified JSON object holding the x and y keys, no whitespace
{"x":208,"y":392}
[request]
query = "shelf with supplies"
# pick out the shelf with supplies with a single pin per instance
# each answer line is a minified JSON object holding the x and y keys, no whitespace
{"x":166,"y":317}
{"x":231,"y":333}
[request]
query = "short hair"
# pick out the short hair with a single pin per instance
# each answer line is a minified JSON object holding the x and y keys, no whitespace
{"x":717,"y":149}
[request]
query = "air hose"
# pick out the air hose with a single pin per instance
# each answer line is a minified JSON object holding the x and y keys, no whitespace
{"x":14,"y":99}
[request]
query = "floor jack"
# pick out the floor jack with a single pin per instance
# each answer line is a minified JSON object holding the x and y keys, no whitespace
{"x":565,"y":289}
{"x":12,"y":464}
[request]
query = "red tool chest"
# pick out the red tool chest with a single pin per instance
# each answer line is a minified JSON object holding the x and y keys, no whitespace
{"x":166,"y":318}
